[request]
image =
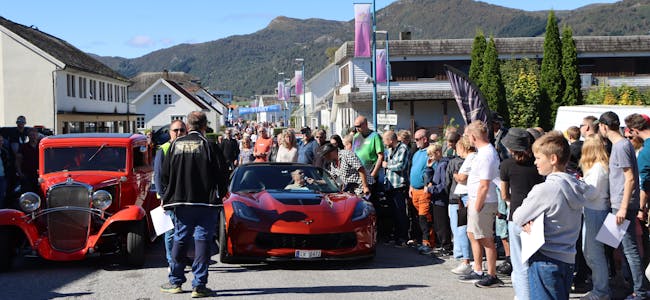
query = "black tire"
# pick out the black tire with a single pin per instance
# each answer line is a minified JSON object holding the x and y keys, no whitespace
{"x":7,"y":249}
{"x":224,"y":256}
{"x":135,"y":243}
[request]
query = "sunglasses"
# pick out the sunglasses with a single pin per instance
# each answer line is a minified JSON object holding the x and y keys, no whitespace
{"x":178,"y":130}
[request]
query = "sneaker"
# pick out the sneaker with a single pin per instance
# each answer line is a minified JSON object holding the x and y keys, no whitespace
{"x":201,"y":292}
{"x":489,"y":282}
{"x":426,"y":250}
{"x":171,"y":288}
{"x":505,"y":268}
{"x":592,"y":296}
{"x":462,"y":269}
{"x":442,"y":252}
{"x":471,"y":277}
{"x":412,"y":243}
{"x":633,"y":297}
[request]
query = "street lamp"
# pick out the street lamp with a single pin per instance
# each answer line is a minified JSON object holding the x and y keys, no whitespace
{"x":304,"y":99}
{"x":281,"y":74}
{"x":388,"y":72}
{"x":374,"y":67}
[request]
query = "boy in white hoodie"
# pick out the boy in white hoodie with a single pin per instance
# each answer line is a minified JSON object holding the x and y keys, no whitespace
{"x":560,"y":198}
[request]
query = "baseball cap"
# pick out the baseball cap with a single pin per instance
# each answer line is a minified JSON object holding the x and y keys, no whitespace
{"x":305,"y":130}
{"x":21,"y":120}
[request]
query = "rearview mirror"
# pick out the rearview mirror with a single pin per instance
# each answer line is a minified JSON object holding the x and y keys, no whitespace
{"x":143,"y":149}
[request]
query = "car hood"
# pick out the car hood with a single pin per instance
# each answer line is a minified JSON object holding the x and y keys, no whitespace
{"x":91,"y":178}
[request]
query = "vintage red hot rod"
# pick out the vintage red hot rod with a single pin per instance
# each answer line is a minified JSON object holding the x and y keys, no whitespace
{"x":94,"y":197}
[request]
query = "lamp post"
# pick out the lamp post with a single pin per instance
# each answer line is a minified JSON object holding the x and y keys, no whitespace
{"x":388,"y":72}
{"x":286,"y":123}
{"x":304,"y":99}
{"x":374,"y":68}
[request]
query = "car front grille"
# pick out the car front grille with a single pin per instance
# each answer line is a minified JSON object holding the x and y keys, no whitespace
{"x":68,"y":230}
{"x":306,"y":241}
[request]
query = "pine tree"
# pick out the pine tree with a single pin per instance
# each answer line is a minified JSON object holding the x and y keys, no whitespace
{"x":478,"y":49}
{"x":551,"y":81}
{"x":491,"y":84}
{"x":570,"y":73}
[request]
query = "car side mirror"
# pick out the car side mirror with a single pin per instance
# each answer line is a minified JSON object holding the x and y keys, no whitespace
{"x":143,"y":149}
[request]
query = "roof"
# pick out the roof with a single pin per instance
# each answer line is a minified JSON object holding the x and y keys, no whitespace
{"x":187,"y":94}
{"x":61,"y":50}
{"x":143,"y":80}
{"x":93,"y":135}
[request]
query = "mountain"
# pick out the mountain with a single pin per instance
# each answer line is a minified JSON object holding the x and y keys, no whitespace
{"x":249,"y":64}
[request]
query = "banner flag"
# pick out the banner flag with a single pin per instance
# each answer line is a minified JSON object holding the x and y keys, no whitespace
{"x":471,"y":103}
{"x":300,"y":82}
{"x":362,"y":29}
{"x":254,"y":110}
{"x":281,"y":90}
{"x":287,"y":92}
{"x":381,"y":65}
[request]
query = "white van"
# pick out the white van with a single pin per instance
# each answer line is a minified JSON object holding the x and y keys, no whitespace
{"x":568,"y":116}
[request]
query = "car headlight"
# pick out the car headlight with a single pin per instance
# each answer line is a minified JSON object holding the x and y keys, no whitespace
{"x":29,"y":202}
{"x":102,"y":199}
{"x":362,"y":210}
{"x":244,"y":211}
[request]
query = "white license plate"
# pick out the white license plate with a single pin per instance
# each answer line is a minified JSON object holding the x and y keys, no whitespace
{"x":308,"y":253}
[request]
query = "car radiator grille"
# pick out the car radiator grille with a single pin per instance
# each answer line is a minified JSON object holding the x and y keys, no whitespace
{"x":68,"y":230}
{"x":306,"y":241}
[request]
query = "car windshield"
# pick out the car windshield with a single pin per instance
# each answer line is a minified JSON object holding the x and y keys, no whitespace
{"x":288,"y":178}
{"x":99,"y":157}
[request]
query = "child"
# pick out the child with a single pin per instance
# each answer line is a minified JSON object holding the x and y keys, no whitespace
{"x":560,"y":198}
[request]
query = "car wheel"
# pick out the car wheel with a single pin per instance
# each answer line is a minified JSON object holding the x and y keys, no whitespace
{"x":7,"y":249}
{"x":224,"y":257}
{"x":135,"y":244}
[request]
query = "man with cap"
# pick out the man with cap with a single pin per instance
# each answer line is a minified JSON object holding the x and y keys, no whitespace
{"x":347,"y":167}
{"x":19,"y":135}
{"x":498,"y":132}
{"x":309,"y":147}
{"x":624,"y":192}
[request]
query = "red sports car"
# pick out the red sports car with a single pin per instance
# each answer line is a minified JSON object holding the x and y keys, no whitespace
{"x":285,"y":211}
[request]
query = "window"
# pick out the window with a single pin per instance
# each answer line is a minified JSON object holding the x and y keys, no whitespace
{"x":102,"y":91}
{"x":139,"y":122}
{"x":82,"y":88}
{"x":345,"y":75}
{"x":110,"y":92}
{"x":124,"y":94}
{"x":93,"y":89}
{"x":117,"y":93}
{"x":168,"y":99}
{"x":177,"y":117}
{"x":140,"y":156}
{"x":70,"y":83}
{"x":156,"y":99}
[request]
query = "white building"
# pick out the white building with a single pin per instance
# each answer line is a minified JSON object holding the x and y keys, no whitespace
{"x":58,"y":86}
{"x":165,"y":101}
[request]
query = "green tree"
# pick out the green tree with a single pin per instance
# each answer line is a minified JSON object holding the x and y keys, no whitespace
{"x":512,"y":68}
{"x":491,"y":83}
{"x":551,"y":82}
{"x":524,"y":100}
{"x":476,"y":65}
{"x":570,"y":74}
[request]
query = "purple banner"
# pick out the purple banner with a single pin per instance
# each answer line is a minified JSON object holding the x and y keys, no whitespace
{"x":381,"y":66}
{"x":281,"y":90}
{"x":471,"y":103}
{"x":362,"y":30}
{"x":300,"y":81}
{"x":287,"y":92}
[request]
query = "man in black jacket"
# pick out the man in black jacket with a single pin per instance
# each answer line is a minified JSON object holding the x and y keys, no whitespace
{"x":230,"y":147}
{"x":194,"y":170}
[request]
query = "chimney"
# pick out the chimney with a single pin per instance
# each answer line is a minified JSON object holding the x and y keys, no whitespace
{"x":165,"y":74}
{"x":405,"y":36}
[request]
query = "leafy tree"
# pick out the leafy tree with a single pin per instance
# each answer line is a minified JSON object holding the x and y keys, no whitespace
{"x":476,"y":65}
{"x":525,"y":100}
{"x":491,"y":83}
{"x":512,"y":68}
{"x":551,"y":81}
{"x":570,"y":73}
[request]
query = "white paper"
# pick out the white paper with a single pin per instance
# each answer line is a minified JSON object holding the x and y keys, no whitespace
{"x":610,"y":233}
{"x":531,"y":242}
{"x":162,"y":222}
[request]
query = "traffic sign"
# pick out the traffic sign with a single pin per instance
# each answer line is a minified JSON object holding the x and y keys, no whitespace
{"x":387,"y":119}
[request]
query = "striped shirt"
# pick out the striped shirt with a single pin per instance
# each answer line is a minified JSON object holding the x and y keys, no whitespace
{"x":396,"y":162}
{"x":347,"y":170}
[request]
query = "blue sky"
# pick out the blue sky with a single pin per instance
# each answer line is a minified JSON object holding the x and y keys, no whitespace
{"x":137,"y":27}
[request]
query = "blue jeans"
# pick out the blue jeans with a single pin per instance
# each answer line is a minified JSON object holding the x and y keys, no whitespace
{"x":201,"y":222}
{"x":462,"y":248}
{"x":594,"y":251}
{"x":519,"y":274}
{"x":549,"y":278}
{"x":169,"y":238}
{"x":631,"y":251}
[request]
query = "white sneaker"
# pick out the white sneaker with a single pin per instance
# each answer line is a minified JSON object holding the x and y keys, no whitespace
{"x":592,"y":296}
{"x":462,"y":269}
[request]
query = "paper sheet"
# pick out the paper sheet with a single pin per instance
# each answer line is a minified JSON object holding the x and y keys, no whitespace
{"x":610,"y":233}
{"x":531,"y":242}
{"x":162,"y":222}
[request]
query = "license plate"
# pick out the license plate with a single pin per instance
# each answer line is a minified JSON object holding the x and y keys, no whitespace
{"x":308,"y":253}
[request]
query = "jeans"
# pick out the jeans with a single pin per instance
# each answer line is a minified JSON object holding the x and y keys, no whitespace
{"x":398,"y":197}
{"x":462,"y":249}
{"x":519,"y":274}
{"x":594,"y":251}
{"x":169,"y":238}
{"x":549,"y":278}
{"x":3,"y":191}
{"x":631,"y":251}
{"x":201,"y":221}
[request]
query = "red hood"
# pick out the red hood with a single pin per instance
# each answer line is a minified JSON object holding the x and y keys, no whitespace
{"x":93,"y":178}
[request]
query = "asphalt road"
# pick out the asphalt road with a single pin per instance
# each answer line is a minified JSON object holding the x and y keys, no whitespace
{"x":394,"y":274}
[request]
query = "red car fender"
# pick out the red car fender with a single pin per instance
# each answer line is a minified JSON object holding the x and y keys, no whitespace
{"x":12,"y":217}
{"x":227,"y":214}
{"x":129,"y":213}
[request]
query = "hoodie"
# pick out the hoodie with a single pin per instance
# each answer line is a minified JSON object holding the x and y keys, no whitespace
{"x":561,"y":198}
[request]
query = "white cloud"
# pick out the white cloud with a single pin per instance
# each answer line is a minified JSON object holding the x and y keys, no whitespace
{"x":141,"y":41}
